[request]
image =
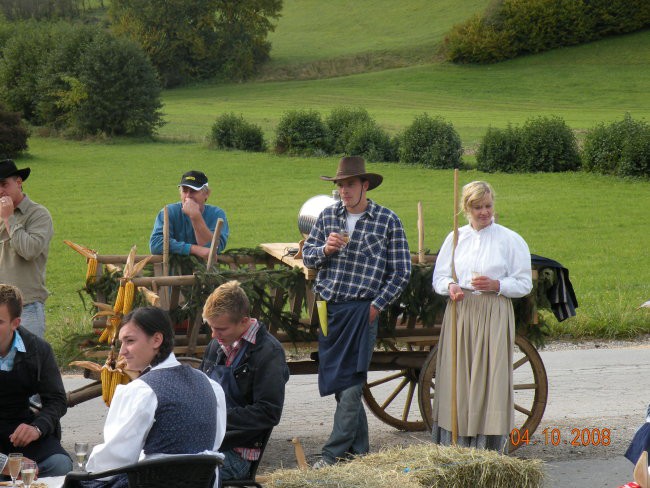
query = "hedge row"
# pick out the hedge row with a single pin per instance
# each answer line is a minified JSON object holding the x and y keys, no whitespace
{"x":512,"y":27}
{"x":428,"y":141}
{"x":79,"y":80}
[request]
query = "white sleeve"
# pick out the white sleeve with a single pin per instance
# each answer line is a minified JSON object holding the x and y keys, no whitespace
{"x":442,"y":271}
{"x":128,"y":422}
{"x":220,"y":413}
{"x":519,"y":281}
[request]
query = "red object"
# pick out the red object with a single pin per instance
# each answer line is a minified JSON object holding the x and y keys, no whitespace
{"x":631,"y":484}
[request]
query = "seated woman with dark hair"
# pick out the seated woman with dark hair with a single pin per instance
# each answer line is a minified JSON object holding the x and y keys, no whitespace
{"x":170,"y":409}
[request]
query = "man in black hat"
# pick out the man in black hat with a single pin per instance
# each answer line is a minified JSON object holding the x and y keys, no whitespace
{"x":25,"y":233}
{"x":191,"y":221}
{"x":362,"y":256}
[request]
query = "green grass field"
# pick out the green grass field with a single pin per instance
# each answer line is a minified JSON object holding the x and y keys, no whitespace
{"x":105,"y":195}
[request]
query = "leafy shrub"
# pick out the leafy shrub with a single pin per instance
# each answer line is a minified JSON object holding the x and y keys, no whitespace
{"x":499,"y":150}
{"x":371,"y":142}
{"x":302,"y":132}
{"x":13,"y":134}
{"x":620,"y":148}
{"x":233,"y":132}
{"x":431,"y":142}
{"x":341,"y":122}
{"x":548,"y":145}
{"x":512,"y":27}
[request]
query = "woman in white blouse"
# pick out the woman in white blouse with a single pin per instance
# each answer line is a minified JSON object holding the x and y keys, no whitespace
{"x":492,"y":266}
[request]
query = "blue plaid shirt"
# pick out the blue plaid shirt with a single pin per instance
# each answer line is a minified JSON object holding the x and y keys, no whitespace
{"x":377,"y":261}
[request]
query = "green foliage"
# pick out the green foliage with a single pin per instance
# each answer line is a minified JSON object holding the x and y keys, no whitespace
{"x":302,"y":132}
{"x":33,"y":9}
{"x":431,"y":142}
{"x":371,"y":142}
{"x":512,"y":27}
{"x":499,"y":150}
{"x":121,"y":91}
{"x":548,"y":145}
{"x":13,"y":134}
{"x":233,"y":132}
{"x":341,"y":122}
{"x":198,"y":39}
{"x":621,"y":148}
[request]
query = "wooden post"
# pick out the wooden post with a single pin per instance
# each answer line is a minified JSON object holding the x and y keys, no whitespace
{"x":454,"y":340}
{"x":214,"y":245}
{"x":166,"y":241}
{"x":420,"y":234}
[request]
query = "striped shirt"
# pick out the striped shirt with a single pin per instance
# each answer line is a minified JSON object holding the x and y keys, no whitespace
{"x":376,"y":264}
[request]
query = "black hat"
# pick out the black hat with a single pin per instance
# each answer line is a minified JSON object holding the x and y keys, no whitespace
{"x":350,"y":166}
{"x":196,"y":180}
{"x":8,"y":168}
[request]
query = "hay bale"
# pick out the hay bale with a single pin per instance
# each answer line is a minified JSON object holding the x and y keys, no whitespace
{"x":417,"y":466}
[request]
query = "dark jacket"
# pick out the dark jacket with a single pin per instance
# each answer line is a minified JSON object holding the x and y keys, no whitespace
{"x":261,"y":376}
{"x":46,"y":380}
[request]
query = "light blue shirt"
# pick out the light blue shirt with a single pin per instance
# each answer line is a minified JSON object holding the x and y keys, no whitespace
{"x":7,"y":362}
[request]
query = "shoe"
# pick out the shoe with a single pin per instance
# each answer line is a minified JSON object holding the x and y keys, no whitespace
{"x":321,"y":463}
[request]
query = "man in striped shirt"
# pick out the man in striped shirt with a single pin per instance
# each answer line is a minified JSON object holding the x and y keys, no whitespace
{"x":250,"y":365}
{"x":362,"y":256}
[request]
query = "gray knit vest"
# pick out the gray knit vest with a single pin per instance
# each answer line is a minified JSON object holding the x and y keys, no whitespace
{"x":185,"y":415}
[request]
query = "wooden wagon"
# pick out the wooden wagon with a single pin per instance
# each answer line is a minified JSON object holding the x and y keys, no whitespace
{"x":401,"y":382}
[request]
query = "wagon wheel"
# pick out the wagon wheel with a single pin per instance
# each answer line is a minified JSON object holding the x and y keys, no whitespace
{"x":530,"y":385}
{"x":390,"y":396}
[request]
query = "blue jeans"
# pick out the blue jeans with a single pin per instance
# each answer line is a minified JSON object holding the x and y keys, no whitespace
{"x":33,"y":318}
{"x":55,"y":465}
{"x":234,"y":466}
{"x":349,"y":435}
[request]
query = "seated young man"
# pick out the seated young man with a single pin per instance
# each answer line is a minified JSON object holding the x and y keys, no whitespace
{"x":27,"y":367}
{"x":250,"y":365}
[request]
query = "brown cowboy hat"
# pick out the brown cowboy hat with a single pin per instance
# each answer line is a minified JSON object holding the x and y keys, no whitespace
{"x":350,"y":166}
{"x":8,"y":168}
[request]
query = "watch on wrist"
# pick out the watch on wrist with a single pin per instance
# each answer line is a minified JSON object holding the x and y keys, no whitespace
{"x":40,"y":434}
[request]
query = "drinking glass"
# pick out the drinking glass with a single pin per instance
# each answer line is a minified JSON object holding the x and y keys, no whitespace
{"x":476,"y":274}
{"x":80,"y":450}
{"x":345,"y":235}
{"x":15,"y":463}
{"x":28,"y":472}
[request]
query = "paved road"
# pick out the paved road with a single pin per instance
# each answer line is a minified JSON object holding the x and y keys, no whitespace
{"x":598,"y":388}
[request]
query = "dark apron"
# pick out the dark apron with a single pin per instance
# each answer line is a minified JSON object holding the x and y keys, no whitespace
{"x":225,"y":376}
{"x":15,"y":389}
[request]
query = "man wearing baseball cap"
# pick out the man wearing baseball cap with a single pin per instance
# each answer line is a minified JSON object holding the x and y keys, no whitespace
{"x":191,"y":221}
{"x":25,"y":233}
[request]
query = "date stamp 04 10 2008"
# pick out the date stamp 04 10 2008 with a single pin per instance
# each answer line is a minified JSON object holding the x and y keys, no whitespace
{"x":553,"y":437}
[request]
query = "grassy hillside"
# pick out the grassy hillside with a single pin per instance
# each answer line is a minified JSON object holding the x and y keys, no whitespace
{"x":584,"y":84}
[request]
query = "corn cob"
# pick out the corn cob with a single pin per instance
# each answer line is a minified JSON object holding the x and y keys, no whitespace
{"x":105,"y":377}
{"x":91,"y":271}
{"x":129,"y":294}
{"x":119,"y":299}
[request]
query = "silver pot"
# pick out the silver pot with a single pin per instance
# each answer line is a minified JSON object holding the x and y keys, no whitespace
{"x":311,"y":209}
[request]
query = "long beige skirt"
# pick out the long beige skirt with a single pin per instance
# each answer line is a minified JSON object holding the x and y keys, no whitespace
{"x":485,"y":340}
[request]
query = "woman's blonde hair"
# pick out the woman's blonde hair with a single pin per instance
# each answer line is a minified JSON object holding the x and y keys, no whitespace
{"x":474,"y":192}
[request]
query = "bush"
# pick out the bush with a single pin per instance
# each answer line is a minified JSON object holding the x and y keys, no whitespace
{"x":302,"y":132}
{"x":620,"y":148}
{"x":341,"y":122}
{"x":233,"y":132}
{"x":431,"y":142}
{"x":499,"y":150}
{"x":371,"y":142}
{"x":13,"y":134}
{"x":548,"y":145}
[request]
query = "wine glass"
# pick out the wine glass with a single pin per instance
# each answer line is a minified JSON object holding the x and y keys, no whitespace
{"x":476,"y":274}
{"x":345,"y":235}
{"x":28,"y":472}
{"x":80,"y":450}
{"x":15,"y":463}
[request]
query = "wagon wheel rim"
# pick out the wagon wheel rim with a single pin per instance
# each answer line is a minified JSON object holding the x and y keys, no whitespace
{"x":529,"y":407}
{"x":392,"y":399}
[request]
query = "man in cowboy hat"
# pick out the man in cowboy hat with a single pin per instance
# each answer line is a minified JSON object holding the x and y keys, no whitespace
{"x":358,"y":279}
{"x":191,"y":221}
{"x":25,"y":233}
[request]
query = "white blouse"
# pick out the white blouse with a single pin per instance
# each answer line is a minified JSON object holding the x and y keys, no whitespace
{"x":494,"y":251}
{"x":130,"y":419}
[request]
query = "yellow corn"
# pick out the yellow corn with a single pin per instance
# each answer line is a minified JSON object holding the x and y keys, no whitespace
{"x":105,"y":376}
{"x":119,"y":300}
{"x":91,"y":271}
{"x":129,"y":295}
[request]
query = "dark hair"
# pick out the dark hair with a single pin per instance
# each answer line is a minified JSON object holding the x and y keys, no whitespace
{"x":152,"y":320}
{"x":12,"y":298}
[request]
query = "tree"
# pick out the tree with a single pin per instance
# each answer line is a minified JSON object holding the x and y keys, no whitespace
{"x":198,"y":39}
{"x":39,"y":9}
